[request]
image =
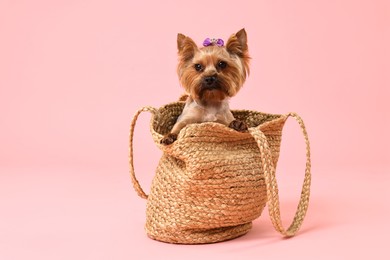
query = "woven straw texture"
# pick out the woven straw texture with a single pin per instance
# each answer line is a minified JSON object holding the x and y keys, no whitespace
{"x":213,"y":181}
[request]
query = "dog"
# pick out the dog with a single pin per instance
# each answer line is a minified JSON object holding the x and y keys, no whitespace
{"x":210,"y":75}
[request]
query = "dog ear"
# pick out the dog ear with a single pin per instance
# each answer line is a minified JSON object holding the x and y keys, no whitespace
{"x":186,"y":47}
{"x":237,"y":44}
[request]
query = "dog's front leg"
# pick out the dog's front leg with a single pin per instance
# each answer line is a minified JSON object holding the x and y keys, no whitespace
{"x":172,"y":136}
{"x":230,"y":121}
{"x":238,"y":125}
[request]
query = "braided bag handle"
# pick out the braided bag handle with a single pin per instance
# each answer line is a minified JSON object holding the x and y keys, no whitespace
{"x":134,"y":180}
{"x":271,"y":184}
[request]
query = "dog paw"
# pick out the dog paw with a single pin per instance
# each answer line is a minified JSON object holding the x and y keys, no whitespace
{"x":168,"y":139}
{"x":238,"y":125}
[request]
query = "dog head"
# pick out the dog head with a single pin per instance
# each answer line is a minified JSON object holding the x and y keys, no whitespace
{"x":213,"y":72}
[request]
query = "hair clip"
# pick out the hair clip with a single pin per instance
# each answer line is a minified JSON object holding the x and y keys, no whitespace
{"x":213,"y":41}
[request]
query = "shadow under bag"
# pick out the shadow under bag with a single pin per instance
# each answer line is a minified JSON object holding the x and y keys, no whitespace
{"x":213,"y":181}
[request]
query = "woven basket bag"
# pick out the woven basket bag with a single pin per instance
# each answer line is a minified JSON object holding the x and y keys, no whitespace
{"x":213,"y":181}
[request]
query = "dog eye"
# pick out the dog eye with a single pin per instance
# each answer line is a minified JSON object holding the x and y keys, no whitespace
{"x":222,"y":64}
{"x":198,"y":67}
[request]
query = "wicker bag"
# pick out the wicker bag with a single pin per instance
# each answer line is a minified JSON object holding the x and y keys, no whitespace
{"x":213,"y":181}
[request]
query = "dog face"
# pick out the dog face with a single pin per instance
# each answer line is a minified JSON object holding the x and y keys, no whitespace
{"x":213,"y":73}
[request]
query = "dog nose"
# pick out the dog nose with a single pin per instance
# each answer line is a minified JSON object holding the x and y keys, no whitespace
{"x":210,"y":80}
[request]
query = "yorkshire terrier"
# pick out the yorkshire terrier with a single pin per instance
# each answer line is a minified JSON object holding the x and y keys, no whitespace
{"x":210,"y":75}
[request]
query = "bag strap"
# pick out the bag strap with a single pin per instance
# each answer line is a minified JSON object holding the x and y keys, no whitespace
{"x":271,"y":183}
{"x":134,"y":180}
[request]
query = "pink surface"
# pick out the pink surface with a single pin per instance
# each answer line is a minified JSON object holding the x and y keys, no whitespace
{"x":72,"y":73}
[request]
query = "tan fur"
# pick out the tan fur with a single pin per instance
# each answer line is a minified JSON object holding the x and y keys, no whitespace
{"x":208,"y":102}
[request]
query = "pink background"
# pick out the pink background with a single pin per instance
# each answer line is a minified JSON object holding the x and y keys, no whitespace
{"x":72,"y":73}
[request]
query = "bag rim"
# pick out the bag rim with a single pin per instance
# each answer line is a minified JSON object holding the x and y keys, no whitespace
{"x":189,"y":129}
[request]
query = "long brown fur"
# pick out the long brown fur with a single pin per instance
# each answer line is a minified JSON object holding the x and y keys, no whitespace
{"x":222,"y":74}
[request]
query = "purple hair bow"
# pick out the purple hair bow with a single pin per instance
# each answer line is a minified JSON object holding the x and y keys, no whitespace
{"x":213,"y":41}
